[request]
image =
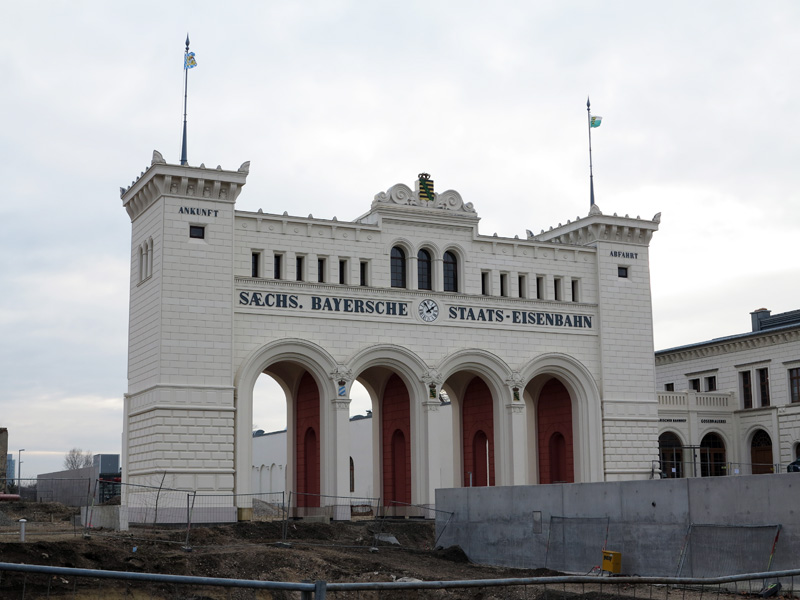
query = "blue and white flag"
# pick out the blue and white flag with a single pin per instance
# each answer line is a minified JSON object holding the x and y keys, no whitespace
{"x":189,"y":61}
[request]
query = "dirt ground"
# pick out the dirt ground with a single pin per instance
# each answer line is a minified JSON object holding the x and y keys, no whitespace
{"x":338,"y":552}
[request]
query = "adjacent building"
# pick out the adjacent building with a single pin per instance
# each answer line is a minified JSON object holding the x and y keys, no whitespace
{"x":731,"y":405}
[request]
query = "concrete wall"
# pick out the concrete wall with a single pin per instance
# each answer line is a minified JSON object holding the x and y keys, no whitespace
{"x":648,"y":520}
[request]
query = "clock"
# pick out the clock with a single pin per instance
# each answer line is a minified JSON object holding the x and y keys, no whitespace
{"x":428,"y":310}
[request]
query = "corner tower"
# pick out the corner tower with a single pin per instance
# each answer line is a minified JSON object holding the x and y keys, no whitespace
{"x":179,"y":409}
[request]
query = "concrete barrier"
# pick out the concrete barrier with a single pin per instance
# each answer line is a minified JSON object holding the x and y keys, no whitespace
{"x":648,"y":520}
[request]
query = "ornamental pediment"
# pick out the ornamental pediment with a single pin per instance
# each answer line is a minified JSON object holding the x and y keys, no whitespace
{"x":423,"y":196}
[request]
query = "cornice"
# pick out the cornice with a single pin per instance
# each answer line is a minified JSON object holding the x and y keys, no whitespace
{"x":756,"y":340}
{"x":162,"y":179}
{"x":597,"y":227}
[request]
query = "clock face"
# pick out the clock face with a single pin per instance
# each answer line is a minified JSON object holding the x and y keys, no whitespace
{"x":428,"y":310}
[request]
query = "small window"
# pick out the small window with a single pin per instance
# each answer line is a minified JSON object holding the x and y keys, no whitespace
{"x":540,"y":288}
{"x":557,"y":288}
{"x":711,"y":383}
{"x":398,"y":260}
{"x":255,"y":266}
{"x":343,"y":272}
{"x":747,"y":389}
{"x":300,"y":263}
{"x":485,"y":283}
{"x":622,"y":272}
{"x":450,"y":272}
{"x":197,"y":232}
{"x":575,"y":290}
{"x":363,"y":272}
{"x":424,"y":271}
{"x":794,"y":384}
{"x":763,"y":386}
{"x":694,"y":384}
{"x":669,"y":387}
{"x":503,"y":284}
{"x":321,"y":270}
{"x":523,"y":286}
{"x":352,"y":476}
{"x":277,"y":266}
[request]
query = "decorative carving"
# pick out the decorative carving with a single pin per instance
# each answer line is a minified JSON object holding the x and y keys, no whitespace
{"x":515,"y":382}
{"x":403,"y":195}
{"x":157,"y":159}
{"x":245,"y":168}
{"x":432,"y":376}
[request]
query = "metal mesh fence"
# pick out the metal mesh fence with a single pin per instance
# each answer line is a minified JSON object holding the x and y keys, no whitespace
{"x":720,"y":550}
{"x":575,"y":544}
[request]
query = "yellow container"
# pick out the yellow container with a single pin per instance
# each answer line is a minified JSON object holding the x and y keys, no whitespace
{"x":612,"y":561}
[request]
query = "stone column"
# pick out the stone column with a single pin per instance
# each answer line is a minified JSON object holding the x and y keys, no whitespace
{"x":342,"y":379}
{"x":517,"y":435}
{"x":430,"y":422}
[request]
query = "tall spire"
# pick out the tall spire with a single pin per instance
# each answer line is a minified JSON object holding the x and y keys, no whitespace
{"x":188,"y":63}
{"x":591,"y":175}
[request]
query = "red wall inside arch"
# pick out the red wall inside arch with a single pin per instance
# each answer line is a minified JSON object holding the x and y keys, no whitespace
{"x":307,"y":441}
{"x":396,"y":446}
{"x":554,"y":417}
{"x":477,"y":419}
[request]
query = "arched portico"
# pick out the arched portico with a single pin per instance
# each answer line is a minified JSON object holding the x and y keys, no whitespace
{"x":296,"y":365}
{"x":584,"y":398}
{"x":393,"y":376}
{"x":457,"y":373}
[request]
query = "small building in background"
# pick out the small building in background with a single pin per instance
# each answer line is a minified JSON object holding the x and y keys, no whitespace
{"x":731,"y":405}
{"x":82,"y":487}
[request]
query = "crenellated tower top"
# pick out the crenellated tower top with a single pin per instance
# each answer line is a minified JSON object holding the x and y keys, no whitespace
{"x":162,"y":179}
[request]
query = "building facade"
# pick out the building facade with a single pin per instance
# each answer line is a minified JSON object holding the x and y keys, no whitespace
{"x":543,"y":344}
{"x":731,"y":406}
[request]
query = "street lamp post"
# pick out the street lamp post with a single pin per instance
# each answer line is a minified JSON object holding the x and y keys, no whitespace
{"x":19,"y":469}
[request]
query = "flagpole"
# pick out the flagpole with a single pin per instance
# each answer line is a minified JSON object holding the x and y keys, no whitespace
{"x":185,"y":95}
{"x":591,"y":175}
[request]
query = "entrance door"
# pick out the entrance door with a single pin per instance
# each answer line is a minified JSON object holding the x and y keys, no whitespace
{"x":761,"y":453}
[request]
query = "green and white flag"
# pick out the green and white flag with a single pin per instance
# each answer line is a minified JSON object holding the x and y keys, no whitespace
{"x":595,"y":122}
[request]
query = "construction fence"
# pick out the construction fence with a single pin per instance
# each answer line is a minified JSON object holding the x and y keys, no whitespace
{"x":29,"y":582}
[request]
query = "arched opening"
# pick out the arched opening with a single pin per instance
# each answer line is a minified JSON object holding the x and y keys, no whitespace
{"x":554,"y":432}
{"x":761,"y":453}
{"x":395,"y":431}
{"x":670,"y":453}
{"x":450,"y":272}
{"x":270,"y":413}
{"x":477,"y":427}
{"x":712,"y":456}
{"x":424,"y":271}
{"x":398,"y":264}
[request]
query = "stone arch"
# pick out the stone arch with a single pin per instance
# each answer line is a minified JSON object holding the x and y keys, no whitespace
{"x":374,"y":367}
{"x":713,"y":458}
{"x":585,"y":399}
{"x":457,"y":371}
{"x":761,"y":451}
{"x":310,"y":357}
{"x":670,"y":454}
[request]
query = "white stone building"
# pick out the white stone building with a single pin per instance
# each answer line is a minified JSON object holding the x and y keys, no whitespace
{"x":731,"y":406}
{"x":544,"y":344}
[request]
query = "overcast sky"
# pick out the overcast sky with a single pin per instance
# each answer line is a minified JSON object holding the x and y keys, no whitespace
{"x":335,"y":101}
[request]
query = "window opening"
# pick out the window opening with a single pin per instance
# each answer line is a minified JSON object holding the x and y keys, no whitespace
{"x":363,"y":272}
{"x":622,"y":272}
{"x":277,"y":266}
{"x":254,"y":264}
{"x":450,"y":272}
{"x":321,"y":270}
{"x":747,"y":389}
{"x":763,"y":386}
{"x":398,"y":264}
{"x":424,"y":271}
{"x":197,"y":232}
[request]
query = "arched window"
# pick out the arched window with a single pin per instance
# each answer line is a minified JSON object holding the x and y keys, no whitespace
{"x":712,"y":456}
{"x":761,"y":453}
{"x":398,"y":267}
{"x":424,"y":270}
{"x":450,"y":272}
{"x":670,"y":451}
